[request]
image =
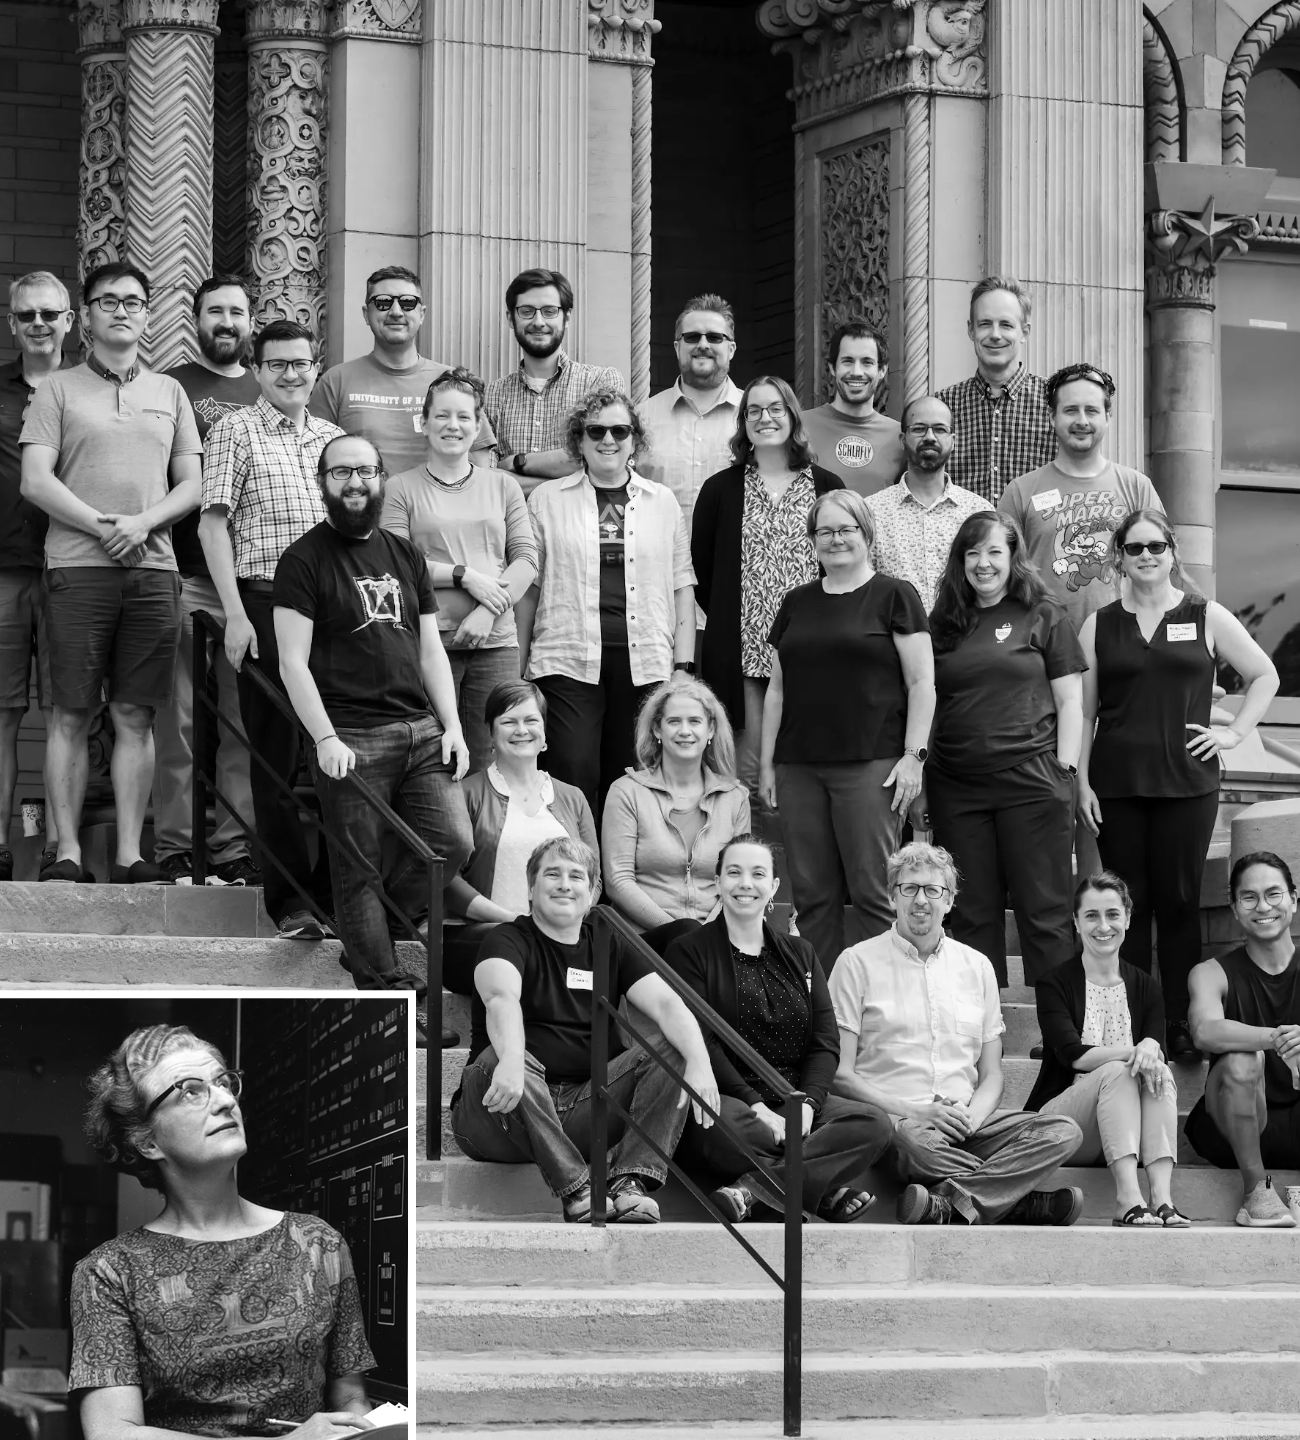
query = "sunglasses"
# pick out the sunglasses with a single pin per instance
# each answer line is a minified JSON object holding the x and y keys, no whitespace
{"x":384,"y":303}
{"x":1134,"y":549}
{"x":48,"y":317}
{"x":693,"y":337}
{"x":598,"y":432}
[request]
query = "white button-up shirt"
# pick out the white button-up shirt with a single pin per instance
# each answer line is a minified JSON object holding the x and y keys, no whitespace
{"x":913,"y":540}
{"x":687,"y":445}
{"x":920,"y":1023}
{"x":656,"y":564}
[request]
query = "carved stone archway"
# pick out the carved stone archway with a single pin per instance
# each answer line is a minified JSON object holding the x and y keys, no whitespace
{"x":1266,"y":32}
{"x":1161,"y":94}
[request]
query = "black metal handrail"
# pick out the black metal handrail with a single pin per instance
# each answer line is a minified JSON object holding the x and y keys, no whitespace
{"x":205,"y":628}
{"x":789,"y":1197}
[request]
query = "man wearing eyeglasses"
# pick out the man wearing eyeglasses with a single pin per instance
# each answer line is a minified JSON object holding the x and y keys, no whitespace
{"x":848,"y":436}
{"x":689,"y":426}
{"x":528,"y":409}
{"x":381,"y":395}
{"x":921,"y":1027}
{"x":260,"y":494}
{"x":111,"y":454}
{"x":40,"y":314}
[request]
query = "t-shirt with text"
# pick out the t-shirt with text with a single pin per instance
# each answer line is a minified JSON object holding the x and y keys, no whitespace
{"x":866,"y":454}
{"x":366,"y":598}
{"x":611,"y":510}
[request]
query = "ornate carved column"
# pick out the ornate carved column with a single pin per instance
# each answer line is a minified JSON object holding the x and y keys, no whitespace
{"x":101,"y":207}
{"x":169,"y":169}
{"x":1183,"y":250}
{"x":287,"y":100}
{"x":230,"y":143}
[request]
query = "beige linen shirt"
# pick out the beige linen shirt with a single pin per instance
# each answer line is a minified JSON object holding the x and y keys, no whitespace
{"x":913,"y":540}
{"x":688,"y":445}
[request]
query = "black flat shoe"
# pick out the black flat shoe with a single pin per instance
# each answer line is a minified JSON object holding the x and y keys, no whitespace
{"x":1180,"y":1045}
{"x":66,"y":872}
{"x":139,"y":872}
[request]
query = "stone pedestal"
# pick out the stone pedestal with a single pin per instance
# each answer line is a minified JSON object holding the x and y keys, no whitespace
{"x":101,"y":213}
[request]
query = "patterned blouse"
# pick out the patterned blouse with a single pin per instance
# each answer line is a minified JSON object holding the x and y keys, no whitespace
{"x":773,"y":1018}
{"x":220,"y":1336}
{"x":775,"y":556}
{"x":1106,"y":1020}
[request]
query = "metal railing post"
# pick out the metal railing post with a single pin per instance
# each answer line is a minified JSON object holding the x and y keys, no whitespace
{"x":599,"y":1079}
{"x":433,"y":1012}
{"x":793,"y":1326}
{"x":199,"y":750}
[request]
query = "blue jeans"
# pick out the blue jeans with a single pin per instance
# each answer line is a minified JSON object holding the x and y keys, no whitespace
{"x":402,"y":762}
{"x":476,"y":673}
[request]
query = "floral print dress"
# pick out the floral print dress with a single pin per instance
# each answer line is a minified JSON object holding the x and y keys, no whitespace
{"x":775,"y":556}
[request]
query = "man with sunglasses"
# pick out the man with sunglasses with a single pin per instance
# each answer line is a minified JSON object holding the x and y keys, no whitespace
{"x":381,"y":395}
{"x":40,"y":315}
{"x":848,"y":436}
{"x":111,"y":454}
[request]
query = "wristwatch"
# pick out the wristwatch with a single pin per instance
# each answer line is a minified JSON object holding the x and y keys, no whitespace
{"x":518,"y":462}
{"x":458,"y":576}
{"x":921,"y":753}
{"x":687,"y":665}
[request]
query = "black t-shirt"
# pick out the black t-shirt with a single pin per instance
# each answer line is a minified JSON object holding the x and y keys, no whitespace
{"x":843,"y":681}
{"x":1257,"y":998}
{"x":366,"y":597}
{"x":212,"y":397}
{"x":995,"y":706}
{"x":22,"y":524}
{"x":611,"y":508}
{"x":556,"y":998}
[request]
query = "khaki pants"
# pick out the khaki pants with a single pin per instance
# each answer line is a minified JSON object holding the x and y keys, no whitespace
{"x":1118,"y":1116}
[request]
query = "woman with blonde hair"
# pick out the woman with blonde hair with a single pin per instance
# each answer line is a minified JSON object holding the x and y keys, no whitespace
{"x":666,"y":822}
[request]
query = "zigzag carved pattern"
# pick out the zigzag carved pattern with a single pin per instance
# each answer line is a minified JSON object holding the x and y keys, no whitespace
{"x":230,"y":159}
{"x":169,"y":182}
{"x":1262,"y":35}
{"x":1164,"y":119}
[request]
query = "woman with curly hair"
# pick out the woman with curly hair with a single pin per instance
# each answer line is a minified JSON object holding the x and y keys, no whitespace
{"x":220,"y":1317}
{"x":612,"y":612}
{"x":1005,"y":747}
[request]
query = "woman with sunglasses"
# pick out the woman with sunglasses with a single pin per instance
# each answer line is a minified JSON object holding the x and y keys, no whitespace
{"x":219,"y":1317}
{"x":471,"y":522}
{"x":1149,"y":778}
{"x":612,"y":613}
{"x":750,"y":548}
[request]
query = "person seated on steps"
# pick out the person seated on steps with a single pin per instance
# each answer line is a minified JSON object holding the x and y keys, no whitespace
{"x":772,"y":990}
{"x":513,"y":806}
{"x":1245,"y":1015}
{"x":1121,"y":1093}
{"x":525,"y":1094}
{"x":921,"y":1037}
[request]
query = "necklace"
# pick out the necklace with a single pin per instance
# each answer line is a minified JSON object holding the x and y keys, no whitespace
{"x":451,"y":484}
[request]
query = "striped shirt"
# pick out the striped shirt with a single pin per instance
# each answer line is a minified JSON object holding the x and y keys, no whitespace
{"x":263,"y":470}
{"x":998,"y":438}
{"x":527,"y":420}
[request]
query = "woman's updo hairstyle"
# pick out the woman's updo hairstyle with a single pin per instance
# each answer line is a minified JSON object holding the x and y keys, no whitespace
{"x":1103,"y":881}
{"x":746,"y":837}
{"x":115,"y":1118}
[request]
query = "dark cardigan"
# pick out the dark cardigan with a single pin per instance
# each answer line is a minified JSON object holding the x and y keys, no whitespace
{"x":715,"y":554}
{"x":703,"y":959}
{"x":1062,"y":1001}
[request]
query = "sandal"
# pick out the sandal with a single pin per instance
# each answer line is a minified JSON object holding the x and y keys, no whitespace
{"x":846,"y":1206}
{"x":1139,"y":1217}
{"x":1172,"y":1218}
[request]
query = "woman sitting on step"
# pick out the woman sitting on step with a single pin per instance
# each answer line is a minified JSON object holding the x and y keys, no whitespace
{"x":771,"y":989}
{"x":1117,"y":1088}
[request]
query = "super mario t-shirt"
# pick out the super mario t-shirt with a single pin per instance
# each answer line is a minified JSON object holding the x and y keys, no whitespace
{"x":1068,"y":523}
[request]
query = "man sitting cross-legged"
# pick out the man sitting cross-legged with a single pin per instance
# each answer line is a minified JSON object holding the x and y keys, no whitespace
{"x":920,"y":1036}
{"x":526,"y":1092}
{"x":1245,"y":1015}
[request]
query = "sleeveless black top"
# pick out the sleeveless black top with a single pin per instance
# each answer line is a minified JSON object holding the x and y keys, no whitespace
{"x":1257,"y":998}
{"x":1147,"y":694}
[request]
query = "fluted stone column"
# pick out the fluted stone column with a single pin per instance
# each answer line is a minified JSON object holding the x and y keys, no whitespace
{"x":288,"y":66}
{"x":101,"y":209}
{"x":169,"y":162}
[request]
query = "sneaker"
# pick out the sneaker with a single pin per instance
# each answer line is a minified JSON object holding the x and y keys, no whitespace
{"x":1047,"y":1207}
{"x":303,"y":925}
{"x":1264,"y":1209}
{"x":916,"y":1206}
{"x":178,"y":869}
{"x":6,"y":864}
{"x":1178,"y":1035}
{"x":734,"y":1202}
{"x":632,"y":1206}
{"x":240,"y":871}
{"x":577,"y":1206}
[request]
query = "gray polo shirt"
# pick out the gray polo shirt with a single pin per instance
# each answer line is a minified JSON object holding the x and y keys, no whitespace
{"x":115,"y":442}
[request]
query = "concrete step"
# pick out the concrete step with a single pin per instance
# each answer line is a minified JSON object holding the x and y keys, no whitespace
{"x":184,"y":910}
{"x":1045,"y":1427}
{"x":736,"y":1386}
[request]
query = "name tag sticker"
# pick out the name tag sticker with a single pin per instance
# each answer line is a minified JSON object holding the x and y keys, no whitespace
{"x":579,"y":979}
{"x":417,"y":423}
{"x":1048,"y":500}
{"x":1180,"y":632}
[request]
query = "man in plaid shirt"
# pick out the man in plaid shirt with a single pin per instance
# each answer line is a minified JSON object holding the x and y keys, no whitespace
{"x":529,"y":407}
{"x":1001,"y":420}
{"x":260,"y":493}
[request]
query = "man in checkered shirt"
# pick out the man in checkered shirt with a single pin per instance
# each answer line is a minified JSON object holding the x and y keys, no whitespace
{"x":260,"y":493}
{"x":1001,"y":419}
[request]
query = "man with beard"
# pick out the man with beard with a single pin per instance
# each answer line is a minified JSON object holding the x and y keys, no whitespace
{"x":381,"y":395}
{"x":529,"y":407}
{"x":217,"y":384}
{"x":259,"y":495}
{"x":689,"y":426}
{"x":1069,"y":508}
{"x":363,"y":663}
{"x":848,"y":437}
{"x":917,"y":519}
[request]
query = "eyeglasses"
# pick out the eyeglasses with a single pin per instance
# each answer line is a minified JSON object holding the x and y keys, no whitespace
{"x":279,"y":367}
{"x":693,"y":337}
{"x":598,"y":432}
{"x":196,"y":1091}
{"x":842,"y":533}
{"x":346,"y":472}
{"x":384,"y":303}
{"x":111,"y":304}
{"x":530,"y":312}
{"x":909,"y":888}
{"x":25,"y":317}
{"x":1248,"y":900}
{"x":1136,"y":547}
{"x":919,"y":432}
{"x":776,"y":410}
